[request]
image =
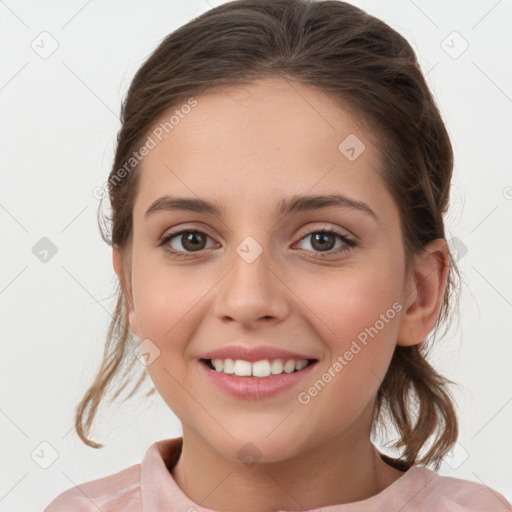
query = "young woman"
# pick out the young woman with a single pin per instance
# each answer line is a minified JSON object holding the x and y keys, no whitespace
{"x":277,"y":197}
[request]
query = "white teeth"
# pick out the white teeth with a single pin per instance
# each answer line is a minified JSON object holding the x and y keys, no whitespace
{"x":289,"y":366}
{"x":262,"y":368}
{"x":276,"y":367}
{"x":242,"y":368}
{"x":301,"y":364}
{"x":229,"y":366}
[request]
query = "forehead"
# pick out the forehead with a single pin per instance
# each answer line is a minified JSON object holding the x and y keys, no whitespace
{"x":255,"y":141}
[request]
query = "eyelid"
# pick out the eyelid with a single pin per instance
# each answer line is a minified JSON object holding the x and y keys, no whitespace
{"x":322,"y":226}
{"x":183,"y":227}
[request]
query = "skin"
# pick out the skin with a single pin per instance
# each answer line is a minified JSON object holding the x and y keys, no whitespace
{"x":247,"y":148}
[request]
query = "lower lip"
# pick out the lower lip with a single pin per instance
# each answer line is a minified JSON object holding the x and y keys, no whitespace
{"x":255,"y":387}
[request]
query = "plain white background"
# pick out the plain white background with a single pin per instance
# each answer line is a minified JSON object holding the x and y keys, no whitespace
{"x":58,"y":126}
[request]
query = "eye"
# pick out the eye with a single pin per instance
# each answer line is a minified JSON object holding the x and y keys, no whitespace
{"x":190,"y":241}
{"x":184,"y":243}
{"x":324,"y":240}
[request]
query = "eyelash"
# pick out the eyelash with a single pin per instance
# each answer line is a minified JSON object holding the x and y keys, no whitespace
{"x":348,"y":242}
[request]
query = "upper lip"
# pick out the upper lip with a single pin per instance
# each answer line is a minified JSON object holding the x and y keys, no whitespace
{"x":253,"y":354}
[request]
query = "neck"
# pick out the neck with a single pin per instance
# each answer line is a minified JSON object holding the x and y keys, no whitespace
{"x":340,"y":470}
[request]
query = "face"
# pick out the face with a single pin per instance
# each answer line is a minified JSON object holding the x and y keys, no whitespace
{"x":257,"y":277}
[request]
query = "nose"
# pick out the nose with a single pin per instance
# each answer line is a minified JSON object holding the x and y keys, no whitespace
{"x":251,"y":293}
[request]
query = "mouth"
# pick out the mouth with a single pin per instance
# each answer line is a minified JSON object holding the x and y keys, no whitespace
{"x":255,"y":380}
{"x":262,"y":369}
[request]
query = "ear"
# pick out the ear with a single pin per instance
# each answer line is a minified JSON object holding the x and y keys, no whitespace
{"x":122,"y":274}
{"x":425,"y":291}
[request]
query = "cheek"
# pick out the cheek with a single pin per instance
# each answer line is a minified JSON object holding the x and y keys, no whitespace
{"x":166,"y":300}
{"x":168,"y":309}
{"x":343,"y":302}
{"x":357,"y":318}
{"x":356,"y":312}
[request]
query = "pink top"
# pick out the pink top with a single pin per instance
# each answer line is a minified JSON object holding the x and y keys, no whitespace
{"x":150,"y":487}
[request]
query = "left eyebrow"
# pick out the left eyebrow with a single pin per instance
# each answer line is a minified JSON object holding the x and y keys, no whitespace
{"x":300,"y":203}
{"x":287,"y":206}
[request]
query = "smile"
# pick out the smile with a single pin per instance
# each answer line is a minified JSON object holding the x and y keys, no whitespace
{"x":256,"y":380}
{"x":261,"y":369}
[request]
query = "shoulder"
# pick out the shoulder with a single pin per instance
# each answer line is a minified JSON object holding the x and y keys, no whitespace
{"x":119,"y":492}
{"x":455,"y":494}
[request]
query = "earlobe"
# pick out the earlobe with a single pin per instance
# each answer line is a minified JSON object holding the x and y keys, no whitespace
{"x":120,"y":270}
{"x":118,"y":263}
{"x":427,"y":286}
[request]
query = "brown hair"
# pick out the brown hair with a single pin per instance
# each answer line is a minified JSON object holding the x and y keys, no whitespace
{"x":357,"y":59}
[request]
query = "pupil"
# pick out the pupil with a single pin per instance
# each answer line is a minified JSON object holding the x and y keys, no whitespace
{"x":322,"y":239}
{"x":192,"y":238}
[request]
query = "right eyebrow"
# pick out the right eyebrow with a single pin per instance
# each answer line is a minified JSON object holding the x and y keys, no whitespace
{"x":166,"y":203}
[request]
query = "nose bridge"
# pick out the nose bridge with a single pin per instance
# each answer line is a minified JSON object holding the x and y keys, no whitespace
{"x":251,"y":289}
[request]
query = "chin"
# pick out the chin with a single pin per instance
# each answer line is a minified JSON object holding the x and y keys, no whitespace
{"x":258,"y":446}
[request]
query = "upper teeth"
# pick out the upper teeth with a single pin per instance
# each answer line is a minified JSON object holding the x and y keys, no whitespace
{"x":262,"y":368}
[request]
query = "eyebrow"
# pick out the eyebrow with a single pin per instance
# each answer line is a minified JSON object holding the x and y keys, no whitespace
{"x":286,"y":206}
